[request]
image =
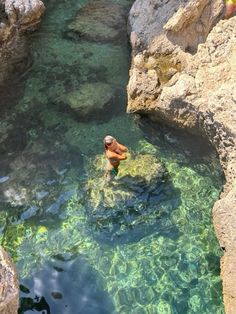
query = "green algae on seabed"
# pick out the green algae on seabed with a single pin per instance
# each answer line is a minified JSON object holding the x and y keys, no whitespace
{"x":141,"y":275}
{"x":162,"y":258}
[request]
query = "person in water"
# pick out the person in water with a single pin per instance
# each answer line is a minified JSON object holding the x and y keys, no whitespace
{"x":115,"y":152}
{"x":230,"y":8}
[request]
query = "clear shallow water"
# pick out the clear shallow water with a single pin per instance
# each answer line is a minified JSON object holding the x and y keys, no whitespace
{"x":163,"y":258}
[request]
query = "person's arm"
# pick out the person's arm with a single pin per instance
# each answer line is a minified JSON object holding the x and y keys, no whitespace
{"x":115,"y":156}
{"x":122,"y":147}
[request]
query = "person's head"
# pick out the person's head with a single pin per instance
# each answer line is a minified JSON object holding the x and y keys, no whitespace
{"x":109,"y":142}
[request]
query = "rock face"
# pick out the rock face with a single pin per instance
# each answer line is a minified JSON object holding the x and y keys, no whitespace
{"x":9,"y":287}
{"x":183,"y":73}
{"x":180,"y":22}
{"x":16,"y":18}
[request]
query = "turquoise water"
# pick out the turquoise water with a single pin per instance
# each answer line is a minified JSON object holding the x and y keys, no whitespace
{"x":144,"y":245}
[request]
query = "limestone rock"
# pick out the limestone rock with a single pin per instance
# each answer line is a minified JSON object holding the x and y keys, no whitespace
{"x":101,"y":21}
{"x":224,"y":215}
{"x":198,"y":95}
{"x":17,"y":18}
{"x":167,"y":23}
{"x":26,"y":13}
{"x":89,"y":98}
{"x":9,"y":286}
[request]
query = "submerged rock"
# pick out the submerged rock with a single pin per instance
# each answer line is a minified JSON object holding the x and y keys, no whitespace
{"x":64,"y":197}
{"x":89,"y":98}
{"x":99,"y":21}
{"x":132,"y":200}
{"x":30,"y":212}
{"x":138,"y":174}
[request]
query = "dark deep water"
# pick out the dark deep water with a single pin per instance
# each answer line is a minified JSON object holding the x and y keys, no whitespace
{"x":156,"y":254}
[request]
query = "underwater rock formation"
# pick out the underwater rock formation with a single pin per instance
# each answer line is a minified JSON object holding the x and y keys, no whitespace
{"x":16,"y":18}
{"x":99,"y":21}
{"x":9,"y":286}
{"x":134,"y":198}
{"x":184,"y":77}
{"x":89,"y":97}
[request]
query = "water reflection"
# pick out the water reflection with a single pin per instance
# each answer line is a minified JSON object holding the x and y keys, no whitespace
{"x":67,"y":288}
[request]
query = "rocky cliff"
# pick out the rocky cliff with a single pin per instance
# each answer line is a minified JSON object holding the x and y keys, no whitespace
{"x":183,"y":73}
{"x":16,"y":18}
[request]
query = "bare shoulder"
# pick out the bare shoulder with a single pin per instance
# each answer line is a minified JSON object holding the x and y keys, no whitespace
{"x":122,"y":147}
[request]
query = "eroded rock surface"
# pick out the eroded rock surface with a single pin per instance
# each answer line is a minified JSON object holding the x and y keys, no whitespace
{"x":9,"y":287}
{"x":165,"y":24}
{"x":16,"y":18}
{"x":186,"y":78}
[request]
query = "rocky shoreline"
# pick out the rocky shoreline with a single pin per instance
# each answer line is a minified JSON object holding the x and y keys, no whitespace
{"x":183,"y":73}
{"x":16,"y":19}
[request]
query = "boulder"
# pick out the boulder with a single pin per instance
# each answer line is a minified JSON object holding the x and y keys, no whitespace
{"x":99,"y":21}
{"x":89,"y":98}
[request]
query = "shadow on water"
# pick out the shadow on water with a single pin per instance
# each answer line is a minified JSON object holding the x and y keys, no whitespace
{"x":67,"y":287}
{"x":146,"y":211}
{"x":192,"y":149}
{"x":194,"y":146}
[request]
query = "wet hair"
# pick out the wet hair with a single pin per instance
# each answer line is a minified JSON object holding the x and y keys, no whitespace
{"x":107,"y":141}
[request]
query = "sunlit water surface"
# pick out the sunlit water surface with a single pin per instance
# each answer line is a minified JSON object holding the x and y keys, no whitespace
{"x":157,"y":255}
